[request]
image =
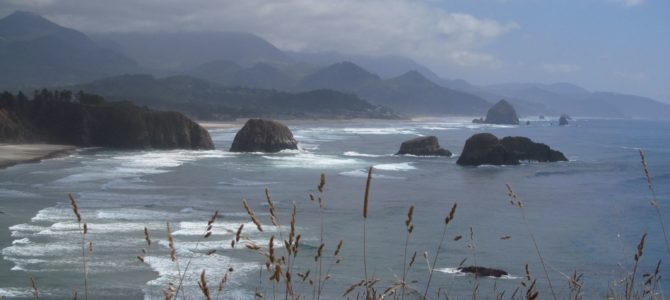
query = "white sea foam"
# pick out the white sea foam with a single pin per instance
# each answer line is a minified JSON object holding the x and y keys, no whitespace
{"x":11,"y":293}
{"x":52,"y":214}
{"x":110,"y":166}
{"x":134,"y":214}
{"x":451,"y":271}
{"x":41,"y":250}
{"x":361,"y":173}
{"x":356,"y":154}
{"x":22,"y":241}
{"x":219,"y":228}
{"x":215,"y":264}
{"x":309,"y":160}
{"x":406,"y":166}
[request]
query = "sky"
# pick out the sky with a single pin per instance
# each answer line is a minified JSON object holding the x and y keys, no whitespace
{"x":602,"y":45}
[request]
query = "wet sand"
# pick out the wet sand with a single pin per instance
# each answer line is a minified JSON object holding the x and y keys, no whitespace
{"x":12,"y":154}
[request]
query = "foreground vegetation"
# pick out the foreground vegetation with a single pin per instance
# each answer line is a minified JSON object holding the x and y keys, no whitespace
{"x":281,"y":277}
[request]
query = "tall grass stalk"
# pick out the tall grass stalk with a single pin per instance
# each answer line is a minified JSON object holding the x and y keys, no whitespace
{"x":410,"y":227}
{"x":84,"y":231}
{"x":365,"y":218}
{"x":654,"y":203}
{"x":514,"y":199}
{"x":447,"y":220}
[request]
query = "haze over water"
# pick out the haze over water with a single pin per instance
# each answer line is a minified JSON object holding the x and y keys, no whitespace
{"x":587,"y":214}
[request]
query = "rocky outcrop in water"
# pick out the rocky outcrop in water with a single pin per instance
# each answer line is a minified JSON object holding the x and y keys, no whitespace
{"x":261,"y":135}
{"x":487,"y":149}
{"x":87,"y":120}
{"x":563,"y":120}
{"x":423,"y":146}
{"x":502,"y":113}
{"x":483,"y":271}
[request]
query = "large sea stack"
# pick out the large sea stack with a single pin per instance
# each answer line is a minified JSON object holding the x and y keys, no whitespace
{"x":261,"y":135}
{"x":487,"y":149}
{"x":87,"y":120}
{"x":502,"y":113}
{"x":423,"y":146}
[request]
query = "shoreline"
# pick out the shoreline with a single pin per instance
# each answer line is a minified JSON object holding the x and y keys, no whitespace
{"x":14,"y":154}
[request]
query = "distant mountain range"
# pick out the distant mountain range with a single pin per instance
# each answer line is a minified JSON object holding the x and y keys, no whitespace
{"x":35,"y":52}
{"x":206,"y":101}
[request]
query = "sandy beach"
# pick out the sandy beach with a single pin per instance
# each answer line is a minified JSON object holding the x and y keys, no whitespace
{"x":12,"y":154}
{"x":219,"y":125}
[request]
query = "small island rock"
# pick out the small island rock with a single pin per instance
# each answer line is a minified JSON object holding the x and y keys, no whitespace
{"x":483,"y":271}
{"x":487,"y":149}
{"x":424,"y":146}
{"x":502,"y":113}
{"x":261,"y":135}
{"x":563,"y":120}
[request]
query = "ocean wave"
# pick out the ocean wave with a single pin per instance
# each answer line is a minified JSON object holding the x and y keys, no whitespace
{"x":357,"y":154}
{"x":361,"y":173}
{"x":406,"y":166}
{"x":309,"y":160}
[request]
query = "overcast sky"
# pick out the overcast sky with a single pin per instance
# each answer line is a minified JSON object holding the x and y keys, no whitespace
{"x":612,"y":45}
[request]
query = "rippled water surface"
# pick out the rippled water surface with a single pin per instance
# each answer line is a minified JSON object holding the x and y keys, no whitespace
{"x":587,"y":214}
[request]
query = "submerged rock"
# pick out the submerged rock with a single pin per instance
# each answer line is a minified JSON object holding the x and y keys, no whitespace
{"x":502,"y":113}
{"x":262,"y":135}
{"x":487,"y":149}
{"x":483,"y":271}
{"x":427,"y":145}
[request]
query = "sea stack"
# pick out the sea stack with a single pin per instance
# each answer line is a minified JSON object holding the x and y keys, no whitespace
{"x":261,"y":135}
{"x":423,"y":146}
{"x":487,"y":149}
{"x":502,"y":113}
{"x":563,"y":120}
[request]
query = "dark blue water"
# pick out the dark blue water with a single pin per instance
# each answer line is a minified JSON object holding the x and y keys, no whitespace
{"x":587,"y":214}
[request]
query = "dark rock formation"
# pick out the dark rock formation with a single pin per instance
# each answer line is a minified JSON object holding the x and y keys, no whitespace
{"x":427,"y":145}
{"x":487,"y":149}
{"x":502,"y":113}
{"x":563,"y":120}
{"x":483,"y":271}
{"x":52,"y":117}
{"x":478,"y":121}
{"x":260,"y":135}
{"x":541,"y":117}
{"x":525,"y":149}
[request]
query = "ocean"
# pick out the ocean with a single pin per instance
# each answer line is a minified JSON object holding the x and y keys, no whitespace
{"x":587,"y":215}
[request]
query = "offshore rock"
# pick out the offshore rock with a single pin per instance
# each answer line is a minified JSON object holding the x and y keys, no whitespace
{"x":423,"y":146}
{"x":502,"y":113}
{"x":487,"y":149}
{"x":262,"y":135}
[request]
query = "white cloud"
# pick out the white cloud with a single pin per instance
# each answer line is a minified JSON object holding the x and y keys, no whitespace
{"x":560,"y":68}
{"x":417,"y":29}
